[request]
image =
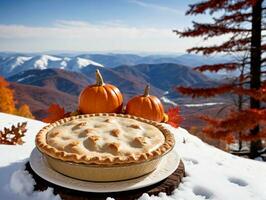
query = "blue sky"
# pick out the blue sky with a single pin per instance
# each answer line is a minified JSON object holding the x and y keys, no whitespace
{"x":91,"y":25}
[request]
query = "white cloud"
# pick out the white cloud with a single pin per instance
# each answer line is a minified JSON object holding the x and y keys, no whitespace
{"x":84,"y":30}
{"x":157,"y":7}
{"x":79,"y":35}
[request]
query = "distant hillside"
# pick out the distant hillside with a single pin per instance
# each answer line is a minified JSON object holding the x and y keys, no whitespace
{"x":39,"y":88}
{"x":39,"y":98}
{"x":57,"y":79}
{"x":166,"y":76}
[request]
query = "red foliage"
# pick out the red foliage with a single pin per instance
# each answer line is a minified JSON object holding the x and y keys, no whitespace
{"x":201,"y":7}
{"x":259,"y":94}
{"x":205,"y":92}
{"x":174,"y":117}
{"x":55,"y":113}
{"x":236,"y":122}
{"x":229,"y":46}
{"x":210,"y":30}
{"x":218,"y":67}
{"x":236,"y":17}
{"x":215,"y":5}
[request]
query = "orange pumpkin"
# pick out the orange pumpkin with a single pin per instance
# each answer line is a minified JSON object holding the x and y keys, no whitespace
{"x":100,"y":98}
{"x":146,"y":106}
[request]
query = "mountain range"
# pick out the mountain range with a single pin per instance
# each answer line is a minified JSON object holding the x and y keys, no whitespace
{"x":12,"y":63}
{"x":39,"y":88}
{"x":42,"y":79}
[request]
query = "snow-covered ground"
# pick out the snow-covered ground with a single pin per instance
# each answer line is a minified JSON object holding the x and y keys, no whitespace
{"x":210,"y":172}
{"x":203,"y":104}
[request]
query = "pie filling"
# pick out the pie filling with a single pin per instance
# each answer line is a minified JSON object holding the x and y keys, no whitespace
{"x":105,"y":136}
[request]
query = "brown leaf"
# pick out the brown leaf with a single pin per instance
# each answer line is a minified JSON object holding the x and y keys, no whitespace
{"x":13,"y":135}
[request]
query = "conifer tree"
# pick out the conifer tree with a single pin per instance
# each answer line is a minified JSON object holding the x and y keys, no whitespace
{"x":242,"y":23}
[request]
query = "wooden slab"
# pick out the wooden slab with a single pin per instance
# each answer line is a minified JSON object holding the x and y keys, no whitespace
{"x":167,"y":186}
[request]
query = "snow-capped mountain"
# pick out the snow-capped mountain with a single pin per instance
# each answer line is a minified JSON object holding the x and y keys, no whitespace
{"x":12,"y":63}
{"x":17,"y":63}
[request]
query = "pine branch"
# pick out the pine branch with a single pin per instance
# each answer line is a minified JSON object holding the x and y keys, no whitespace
{"x":232,"y":45}
{"x":238,"y":121}
{"x":218,"y":67}
{"x":205,"y":92}
{"x":238,"y":5}
{"x":216,"y":5}
{"x":207,"y":50}
{"x":236,"y":17}
{"x":202,"y":7}
{"x":209,"y":30}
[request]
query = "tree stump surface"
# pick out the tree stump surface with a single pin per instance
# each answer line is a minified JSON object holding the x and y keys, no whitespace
{"x":167,"y":185}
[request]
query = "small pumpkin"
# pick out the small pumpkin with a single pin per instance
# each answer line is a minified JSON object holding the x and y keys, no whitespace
{"x":146,"y":106}
{"x":100,"y":98}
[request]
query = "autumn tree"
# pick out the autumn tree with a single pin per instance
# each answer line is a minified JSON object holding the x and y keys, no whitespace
{"x":241,"y":25}
{"x":24,"y":110}
{"x":8,"y":103}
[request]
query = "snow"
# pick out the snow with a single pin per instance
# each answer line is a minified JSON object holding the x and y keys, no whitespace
{"x":42,"y":63}
{"x":168,"y":101}
{"x":82,"y":62}
{"x":24,"y":78}
{"x":19,"y":61}
{"x":203,"y":104}
{"x":210,"y":172}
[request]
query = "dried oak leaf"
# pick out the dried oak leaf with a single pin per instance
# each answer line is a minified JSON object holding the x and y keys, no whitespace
{"x":13,"y":135}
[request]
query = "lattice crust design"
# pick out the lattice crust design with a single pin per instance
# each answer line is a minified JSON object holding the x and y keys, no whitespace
{"x":13,"y":135}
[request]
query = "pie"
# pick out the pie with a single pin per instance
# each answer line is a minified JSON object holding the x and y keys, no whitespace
{"x":104,"y":141}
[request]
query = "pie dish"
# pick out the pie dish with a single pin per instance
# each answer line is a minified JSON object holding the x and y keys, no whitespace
{"x":104,"y":147}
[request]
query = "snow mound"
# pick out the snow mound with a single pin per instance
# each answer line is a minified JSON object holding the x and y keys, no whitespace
{"x":210,"y":172}
{"x":22,"y":183}
{"x":82,"y":62}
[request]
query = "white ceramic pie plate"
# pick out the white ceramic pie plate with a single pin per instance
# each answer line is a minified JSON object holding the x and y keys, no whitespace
{"x":167,"y":166}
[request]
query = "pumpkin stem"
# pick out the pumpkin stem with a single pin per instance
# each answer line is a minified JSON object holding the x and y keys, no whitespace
{"x":99,"y":78}
{"x":146,"y":91}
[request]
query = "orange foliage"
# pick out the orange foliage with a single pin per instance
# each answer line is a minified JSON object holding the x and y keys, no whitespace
{"x":55,"y":113}
{"x":8,"y":103}
{"x":236,"y":122}
{"x":24,"y":111}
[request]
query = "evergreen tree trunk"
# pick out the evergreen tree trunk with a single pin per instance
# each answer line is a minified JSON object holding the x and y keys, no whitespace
{"x":255,"y":69}
{"x":240,"y":100}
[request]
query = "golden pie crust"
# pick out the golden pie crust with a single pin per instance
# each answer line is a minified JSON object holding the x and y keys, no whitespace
{"x":104,"y":139}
